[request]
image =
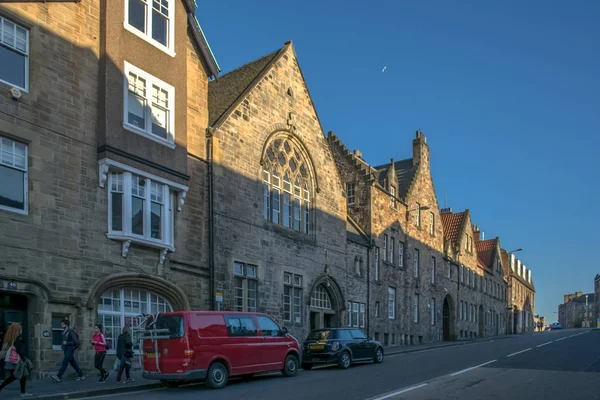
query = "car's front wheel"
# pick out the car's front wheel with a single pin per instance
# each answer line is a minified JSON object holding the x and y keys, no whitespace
{"x":290,"y":368}
{"x":378,"y":357}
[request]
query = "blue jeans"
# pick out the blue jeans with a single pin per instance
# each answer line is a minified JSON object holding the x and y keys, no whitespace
{"x":69,"y":359}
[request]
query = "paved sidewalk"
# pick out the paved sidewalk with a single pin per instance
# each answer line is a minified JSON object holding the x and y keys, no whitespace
{"x":47,"y":389}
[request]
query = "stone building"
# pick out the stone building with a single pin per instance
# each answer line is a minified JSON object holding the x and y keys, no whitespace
{"x":597,"y":301}
{"x":103,"y":214}
{"x":520,"y":296}
{"x":282,"y":242}
{"x":577,"y":311}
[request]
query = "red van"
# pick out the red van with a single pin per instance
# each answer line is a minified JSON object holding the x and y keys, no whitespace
{"x":214,"y":345}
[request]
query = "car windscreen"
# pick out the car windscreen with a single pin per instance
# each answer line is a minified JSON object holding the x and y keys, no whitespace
{"x":174,"y":323}
{"x":321,"y":335}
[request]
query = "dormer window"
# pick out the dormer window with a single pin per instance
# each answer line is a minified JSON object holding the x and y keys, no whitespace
{"x":393,"y":196}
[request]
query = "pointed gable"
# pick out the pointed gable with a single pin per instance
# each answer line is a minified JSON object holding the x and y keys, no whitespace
{"x":230,"y":89}
{"x":404,"y":171}
{"x":486,"y":252}
{"x":453,"y":225}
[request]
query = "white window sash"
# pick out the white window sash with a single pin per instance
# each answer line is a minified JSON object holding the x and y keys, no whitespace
{"x":25,"y":171}
{"x":24,"y":53}
{"x":147,"y":36}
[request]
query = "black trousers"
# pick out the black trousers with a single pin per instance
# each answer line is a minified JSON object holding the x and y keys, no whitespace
{"x":123,"y":366}
{"x":11,"y":379}
{"x":98,"y":361}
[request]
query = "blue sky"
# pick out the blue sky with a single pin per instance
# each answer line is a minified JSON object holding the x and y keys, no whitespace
{"x":507,"y":93}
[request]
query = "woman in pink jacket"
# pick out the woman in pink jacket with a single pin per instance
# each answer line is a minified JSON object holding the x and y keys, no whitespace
{"x":99,"y":342}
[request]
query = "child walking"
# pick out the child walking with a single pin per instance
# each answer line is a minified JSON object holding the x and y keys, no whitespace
{"x":99,"y":342}
{"x":13,"y":352}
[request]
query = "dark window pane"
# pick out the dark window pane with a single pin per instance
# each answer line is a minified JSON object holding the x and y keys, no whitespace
{"x":57,"y":338}
{"x":137,"y":14}
{"x":12,"y":193}
{"x":117,"y":212}
{"x":241,"y":326}
{"x":156,"y":217}
{"x":12,"y":67}
{"x":137,"y":215}
{"x":159,"y":28}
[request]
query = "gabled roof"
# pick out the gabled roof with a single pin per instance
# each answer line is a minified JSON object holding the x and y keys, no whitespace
{"x":200,"y":38}
{"x":486,"y":252}
{"x":453,"y":225}
{"x":355,"y":234}
{"x":405,"y":171}
{"x":230,"y":88}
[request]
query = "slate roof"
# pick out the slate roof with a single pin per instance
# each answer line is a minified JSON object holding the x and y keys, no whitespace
{"x":581,"y":299}
{"x":453,"y":223}
{"x":405,"y":172}
{"x":229,"y":88}
{"x":354,"y":234}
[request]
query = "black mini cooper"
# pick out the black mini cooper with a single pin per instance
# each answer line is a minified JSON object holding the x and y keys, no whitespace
{"x":341,"y":346}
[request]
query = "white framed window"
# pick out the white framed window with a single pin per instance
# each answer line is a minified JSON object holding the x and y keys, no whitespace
{"x":362,"y":315}
{"x":13,"y":176}
{"x":431,"y":223}
{"x":320,"y":298}
{"x":416,"y":308}
{"x":376,"y":263}
{"x":355,"y":314}
{"x":392,"y":250}
{"x":393,"y":196}
{"x":401,"y":254}
{"x":418,"y":215}
{"x":391,"y":303}
{"x":140,"y":209}
{"x":292,"y":298}
{"x":149,"y":106}
{"x":385,"y":248}
{"x":433,"y":266}
{"x":432,"y":311}
{"x":153,"y":21}
{"x":124,"y":307}
{"x":416,"y":261}
{"x":287,"y":201}
{"x":14,"y":53}
{"x":245,"y":293}
{"x":350,"y":193}
{"x":57,"y":330}
{"x":377,"y":309}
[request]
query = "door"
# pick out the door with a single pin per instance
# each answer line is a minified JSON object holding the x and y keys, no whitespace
{"x":315,"y":320}
{"x":275,"y":345}
{"x":446,"y":320}
{"x":244,"y":344}
{"x":362,"y":347}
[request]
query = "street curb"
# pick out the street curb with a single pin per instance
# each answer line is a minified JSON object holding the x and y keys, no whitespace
{"x":99,"y":392}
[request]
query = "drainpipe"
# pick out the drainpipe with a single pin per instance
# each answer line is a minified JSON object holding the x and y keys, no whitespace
{"x":211,"y":230}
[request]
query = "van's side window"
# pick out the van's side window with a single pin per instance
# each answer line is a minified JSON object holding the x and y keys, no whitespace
{"x":241,"y":326}
{"x":267,"y":326}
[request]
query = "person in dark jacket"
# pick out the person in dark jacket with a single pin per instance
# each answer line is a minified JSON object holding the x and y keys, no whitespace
{"x":124,"y":354}
{"x":69,"y":345}
{"x":14,"y":337}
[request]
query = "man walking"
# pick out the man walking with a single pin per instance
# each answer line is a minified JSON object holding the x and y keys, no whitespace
{"x":69,"y":345}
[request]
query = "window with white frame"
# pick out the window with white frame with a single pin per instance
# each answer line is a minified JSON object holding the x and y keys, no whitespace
{"x":391,"y":303}
{"x":13,"y":175}
{"x":392,"y":250}
{"x":14,"y":53}
{"x":57,"y":330}
{"x":385,"y":248}
{"x":416,"y":261}
{"x":431,"y":223}
{"x":149,"y":106}
{"x":356,"y":314}
{"x":123,"y":307}
{"x":401,"y":254}
{"x":245,"y":287}
{"x":377,"y":309}
{"x":350,"y":193}
{"x":320,"y":298}
{"x":292,"y":298}
{"x":376,"y":263}
{"x":433,"y":268}
{"x":416,"y":308}
{"x":433,"y":311}
{"x":152,"y":20}
{"x":418,"y":215}
{"x":393,"y":196}
{"x":286,"y":204}
{"x":140,"y":209}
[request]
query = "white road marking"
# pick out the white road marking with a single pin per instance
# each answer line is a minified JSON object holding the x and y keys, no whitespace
{"x":558,"y":340}
{"x":387,"y":396}
{"x":472,"y":368}
{"x":518,"y":352}
{"x":544,"y":344}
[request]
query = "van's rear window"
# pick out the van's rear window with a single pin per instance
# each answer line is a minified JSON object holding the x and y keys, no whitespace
{"x":174,"y":323}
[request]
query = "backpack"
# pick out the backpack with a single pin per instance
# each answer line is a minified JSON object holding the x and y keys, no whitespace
{"x":75,"y":340}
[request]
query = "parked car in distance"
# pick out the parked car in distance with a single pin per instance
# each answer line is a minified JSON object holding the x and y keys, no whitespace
{"x":556,"y":325}
{"x":341,"y":346}
{"x":212,"y":346}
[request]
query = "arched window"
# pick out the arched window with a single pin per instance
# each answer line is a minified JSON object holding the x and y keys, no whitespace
{"x":121,"y":307}
{"x":320,"y":298}
{"x":287,"y":204}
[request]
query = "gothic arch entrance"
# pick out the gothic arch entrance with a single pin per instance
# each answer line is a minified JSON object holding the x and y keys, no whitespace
{"x":448,"y":319}
{"x":325,"y":304}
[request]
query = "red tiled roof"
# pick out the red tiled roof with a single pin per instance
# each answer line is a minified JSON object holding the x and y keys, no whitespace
{"x":486,"y":250}
{"x":453,"y":223}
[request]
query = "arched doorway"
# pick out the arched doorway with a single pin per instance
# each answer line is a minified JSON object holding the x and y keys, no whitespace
{"x":481,"y":321}
{"x":13,"y":308}
{"x":322,"y":309}
{"x":448,"y":319}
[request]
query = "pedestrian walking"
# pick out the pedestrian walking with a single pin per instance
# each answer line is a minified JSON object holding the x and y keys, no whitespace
{"x":100,"y":345}
{"x":15,"y":359}
{"x":69,"y":345}
{"x":126,"y":361}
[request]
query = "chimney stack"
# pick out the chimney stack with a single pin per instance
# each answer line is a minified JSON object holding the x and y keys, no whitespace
{"x":512,"y":262}
{"x":357,"y":153}
{"x":420,"y":150}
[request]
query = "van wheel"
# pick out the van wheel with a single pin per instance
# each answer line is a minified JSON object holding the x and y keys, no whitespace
{"x":344,"y":362}
{"x":217,"y":376}
{"x":290,"y":368}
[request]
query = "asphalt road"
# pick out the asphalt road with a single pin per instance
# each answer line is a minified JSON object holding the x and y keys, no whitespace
{"x":559,"y":365}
